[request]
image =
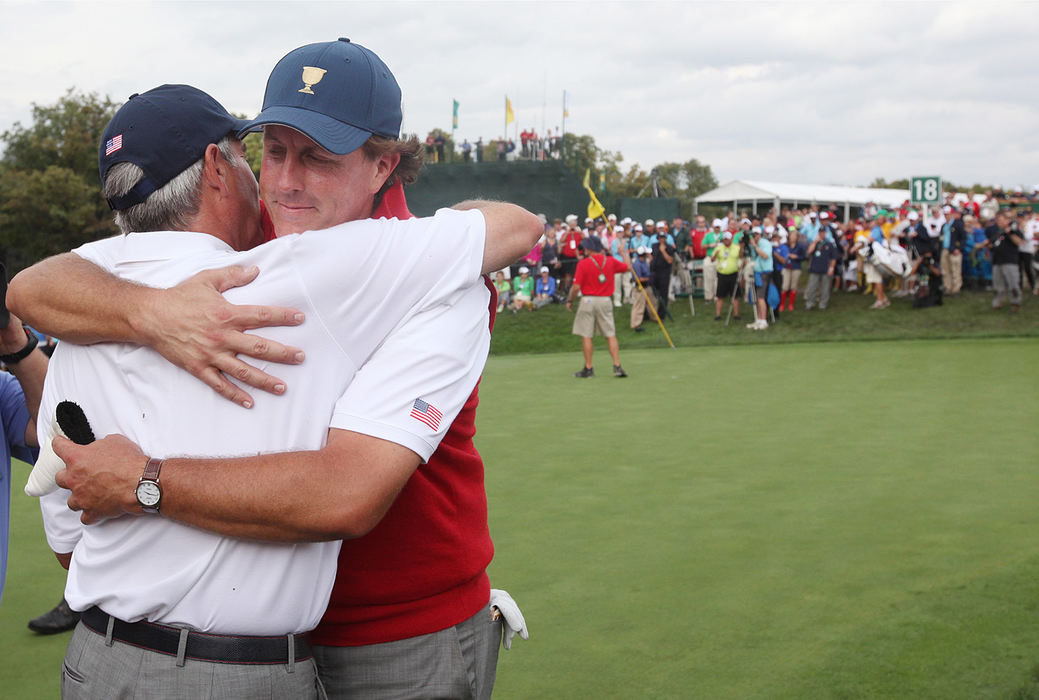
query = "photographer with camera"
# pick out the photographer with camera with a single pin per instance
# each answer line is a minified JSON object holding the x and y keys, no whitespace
{"x":664,"y":255}
{"x":1006,"y":276}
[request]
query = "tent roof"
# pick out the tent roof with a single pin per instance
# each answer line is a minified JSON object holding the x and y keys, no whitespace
{"x":749,"y":190}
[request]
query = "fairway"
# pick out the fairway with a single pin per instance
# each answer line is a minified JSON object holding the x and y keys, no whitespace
{"x":831,"y":520}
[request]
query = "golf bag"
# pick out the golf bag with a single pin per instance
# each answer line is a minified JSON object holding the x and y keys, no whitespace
{"x":890,"y":263}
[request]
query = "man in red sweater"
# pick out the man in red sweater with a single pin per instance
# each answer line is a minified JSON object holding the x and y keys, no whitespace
{"x":409,"y":613}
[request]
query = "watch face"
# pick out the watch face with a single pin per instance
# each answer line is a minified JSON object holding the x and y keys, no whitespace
{"x":148,"y":493}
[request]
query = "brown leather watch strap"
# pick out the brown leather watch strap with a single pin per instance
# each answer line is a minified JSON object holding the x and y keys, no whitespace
{"x":151,"y":471}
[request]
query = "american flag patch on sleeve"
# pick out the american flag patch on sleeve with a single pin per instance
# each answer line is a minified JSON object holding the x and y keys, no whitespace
{"x":113,"y":144}
{"x":426,"y":413}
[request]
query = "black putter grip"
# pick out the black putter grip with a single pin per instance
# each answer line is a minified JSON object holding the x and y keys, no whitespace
{"x":73,"y":422}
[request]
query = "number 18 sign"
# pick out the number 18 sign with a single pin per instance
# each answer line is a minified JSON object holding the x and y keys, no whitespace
{"x":925,"y":190}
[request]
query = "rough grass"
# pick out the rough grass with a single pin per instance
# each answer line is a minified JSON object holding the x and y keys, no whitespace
{"x":848,"y":318}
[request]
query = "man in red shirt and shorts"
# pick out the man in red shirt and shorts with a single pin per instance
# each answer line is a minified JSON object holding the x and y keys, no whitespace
{"x":594,"y":281}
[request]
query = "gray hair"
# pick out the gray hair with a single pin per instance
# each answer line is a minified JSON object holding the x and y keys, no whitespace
{"x":173,"y":206}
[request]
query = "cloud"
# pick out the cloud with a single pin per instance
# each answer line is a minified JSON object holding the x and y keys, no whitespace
{"x":799,"y":92}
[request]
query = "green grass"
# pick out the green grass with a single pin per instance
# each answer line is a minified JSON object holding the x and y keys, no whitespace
{"x":848,"y":318}
{"x":809,"y":531}
{"x":769,"y":521}
{"x":29,"y":663}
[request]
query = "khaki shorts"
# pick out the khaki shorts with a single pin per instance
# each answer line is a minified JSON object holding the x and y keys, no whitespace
{"x":594,"y":315}
{"x":873,"y":275}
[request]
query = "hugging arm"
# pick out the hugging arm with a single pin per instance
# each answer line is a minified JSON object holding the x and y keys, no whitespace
{"x":191,"y":324}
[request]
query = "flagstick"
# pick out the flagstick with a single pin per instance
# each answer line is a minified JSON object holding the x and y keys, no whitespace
{"x":653,"y":308}
{"x":544,"y":99}
{"x":562,"y":134}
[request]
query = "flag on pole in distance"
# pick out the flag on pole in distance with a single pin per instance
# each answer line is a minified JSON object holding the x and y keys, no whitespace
{"x":454,"y":116}
{"x":510,"y":116}
{"x":595,"y":209}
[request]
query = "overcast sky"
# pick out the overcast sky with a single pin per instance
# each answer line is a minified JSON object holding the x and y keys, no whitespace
{"x":828,"y":93}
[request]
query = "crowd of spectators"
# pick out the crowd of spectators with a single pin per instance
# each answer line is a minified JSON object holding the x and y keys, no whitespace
{"x":531,"y":146}
{"x":926,"y":253}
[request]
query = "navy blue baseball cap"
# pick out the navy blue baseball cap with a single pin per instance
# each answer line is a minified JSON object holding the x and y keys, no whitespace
{"x":163,"y":132}
{"x":591,"y":244}
{"x":337,"y":93}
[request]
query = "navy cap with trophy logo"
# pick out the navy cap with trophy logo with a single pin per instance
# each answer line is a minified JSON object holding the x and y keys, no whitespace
{"x":337,"y":93}
{"x":163,"y":132}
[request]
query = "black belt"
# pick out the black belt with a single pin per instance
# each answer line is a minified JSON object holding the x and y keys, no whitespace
{"x":200,"y":646}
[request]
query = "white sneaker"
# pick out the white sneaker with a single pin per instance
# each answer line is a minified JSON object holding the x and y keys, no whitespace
{"x":761,"y":325}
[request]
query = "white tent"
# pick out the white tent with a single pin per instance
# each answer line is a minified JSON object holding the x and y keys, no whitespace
{"x":775,"y":194}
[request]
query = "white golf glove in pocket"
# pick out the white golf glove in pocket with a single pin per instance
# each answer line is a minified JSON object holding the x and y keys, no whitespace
{"x":502,"y":605}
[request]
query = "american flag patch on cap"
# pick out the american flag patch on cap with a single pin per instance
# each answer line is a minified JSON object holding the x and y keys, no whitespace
{"x":113,"y":144}
{"x":426,"y":413}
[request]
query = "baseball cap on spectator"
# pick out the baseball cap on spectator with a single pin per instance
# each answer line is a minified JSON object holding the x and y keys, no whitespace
{"x":337,"y":93}
{"x":649,"y":223}
{"x":946,"y":209}
{"x":824,"y":215}
{"x":812,"y":214}
{"x":543,"y":269}
{"x":662,"y":224}
{"x":625,"y":221}
{"x":592,"y":244}
{"x":756,"y":229}
{"x":612,"y":217}
{"x":638,"y":227}
{"x":717,"y":223}
{"x":588,"y":219}
{"x":163,"y":132}
{"x":524,"y":269}
{"x":727,"y":236}
{"x":914,"y":216}
{"x":571,"y":218}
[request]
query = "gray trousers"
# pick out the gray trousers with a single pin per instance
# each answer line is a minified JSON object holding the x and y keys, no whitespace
{"x":457,"y":662}
{"x":1006,"y":280}
{"x":92,"y":670}
{"x":818,"y":292}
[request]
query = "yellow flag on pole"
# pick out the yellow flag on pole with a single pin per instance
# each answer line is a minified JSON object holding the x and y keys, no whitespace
{"x":510,"y":116}
{"x":595,"y":209}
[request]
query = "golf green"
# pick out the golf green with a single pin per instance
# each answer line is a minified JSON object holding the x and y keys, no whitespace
{"x":786,"y":521}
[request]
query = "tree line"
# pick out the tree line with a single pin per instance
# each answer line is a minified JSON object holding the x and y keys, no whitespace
{"x":50,"y":195}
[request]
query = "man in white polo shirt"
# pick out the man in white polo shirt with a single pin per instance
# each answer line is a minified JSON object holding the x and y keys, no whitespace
{"x":170,"y":608}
